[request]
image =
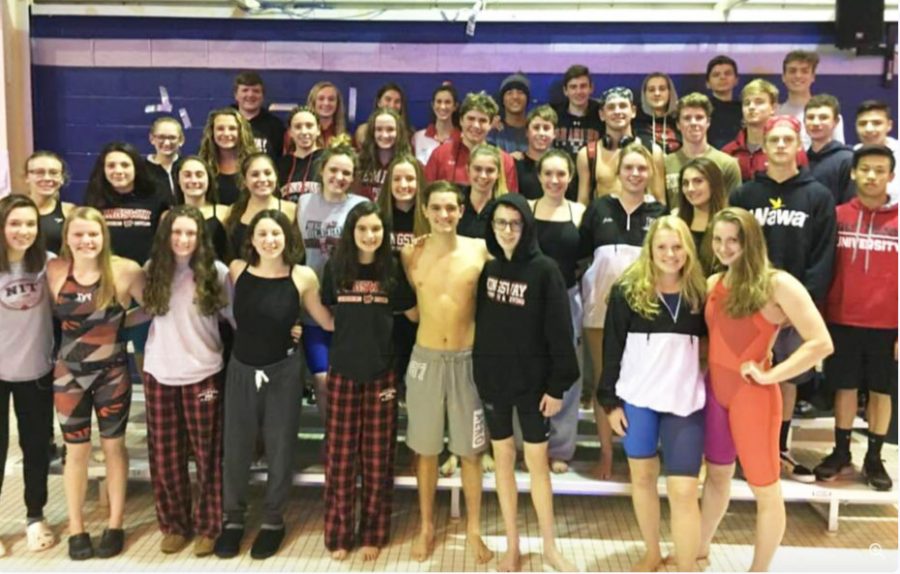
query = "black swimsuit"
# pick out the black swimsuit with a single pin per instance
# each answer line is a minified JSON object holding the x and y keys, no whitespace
{"x":559,"y":241}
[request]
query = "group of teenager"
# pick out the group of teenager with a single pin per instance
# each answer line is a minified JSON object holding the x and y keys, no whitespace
{"x":436,"y":267}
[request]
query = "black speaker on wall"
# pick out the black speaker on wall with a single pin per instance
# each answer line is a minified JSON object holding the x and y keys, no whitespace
{"x":859,"y":23}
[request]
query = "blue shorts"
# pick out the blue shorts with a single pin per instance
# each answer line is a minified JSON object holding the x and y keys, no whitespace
{"x":316,"y":344}
{"x":681,"y":437}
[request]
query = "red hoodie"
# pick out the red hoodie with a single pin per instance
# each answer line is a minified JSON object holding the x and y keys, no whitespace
{"x":864,"y":285}
{"x":752,"y":162}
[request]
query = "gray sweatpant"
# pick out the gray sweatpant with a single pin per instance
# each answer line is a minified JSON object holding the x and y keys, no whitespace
{"x":274,"y":409}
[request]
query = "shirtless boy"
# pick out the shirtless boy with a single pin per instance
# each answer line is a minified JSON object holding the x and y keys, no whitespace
{"x":617,"y":111}
{"x":444,"y":269}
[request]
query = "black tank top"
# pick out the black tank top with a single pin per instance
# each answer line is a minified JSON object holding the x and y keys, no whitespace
{"x":402,"y":228}
{"x":559,"y":241}
{"x":216,"y":232}
{"x":228,"y":188}
{"x":698,"y":238}
{"x":265,"y":310}
{"x":51,"y":228}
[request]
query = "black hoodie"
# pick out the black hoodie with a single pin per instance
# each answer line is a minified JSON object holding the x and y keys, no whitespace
{"x":268,"y":132}
{"x":523,"y":329}
{"x":831,"y":166}
{"x":800,"y":225}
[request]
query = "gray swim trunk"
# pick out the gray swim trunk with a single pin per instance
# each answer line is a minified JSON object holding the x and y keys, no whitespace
{"x":439,"y":385}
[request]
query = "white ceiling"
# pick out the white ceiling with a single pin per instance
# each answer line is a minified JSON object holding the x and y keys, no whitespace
{"x":462,"y":10}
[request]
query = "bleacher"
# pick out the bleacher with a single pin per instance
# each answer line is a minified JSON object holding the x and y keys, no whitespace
{"x":811,"y":441}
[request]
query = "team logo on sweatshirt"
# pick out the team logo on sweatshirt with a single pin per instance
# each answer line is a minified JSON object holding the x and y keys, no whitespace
{"x":861,"y":241}
{"x":776,"y":215}
{"x":322,"y":235}
{"x":365,"y":292}
{"x":22,"y":294}
{"x":504,"y":291}
{"x":128,"y":217}
{"x":402,"y":238}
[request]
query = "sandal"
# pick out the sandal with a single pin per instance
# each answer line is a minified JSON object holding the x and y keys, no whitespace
{"x":39,"y":536}
{"x":112,"y":542}
{"x":80,"y":547}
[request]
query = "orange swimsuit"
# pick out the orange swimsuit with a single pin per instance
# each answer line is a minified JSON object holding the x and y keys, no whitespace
{"x":752,"y":411}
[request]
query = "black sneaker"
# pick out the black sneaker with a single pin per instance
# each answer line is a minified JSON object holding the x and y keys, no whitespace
{"x":80,"y":547}
{"x":228,"y":544}
{"x":795,"y":470}
{"x":834,"y":466}
{"x":267,"y":542}
{"x":876,"y":476}
{"x":111,"y":543}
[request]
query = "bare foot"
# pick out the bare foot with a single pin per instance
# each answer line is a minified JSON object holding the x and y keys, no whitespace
{"x":559,"y":466}
{"x":649,"y":563}
{"x":369,"y":553}
{"x":479,"y":549}
{"x":557,"y":561}
{"x":339,"y":555}
{"x":511,"y":561}
{"x":604,"y":467}
{"x":423,"y":545}
{"x":672,"y":559}
{"x":487,"y":463}
{"x":450,"y":465}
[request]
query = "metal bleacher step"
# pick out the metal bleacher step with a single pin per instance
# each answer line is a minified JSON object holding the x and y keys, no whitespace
{"x":811,"y":440}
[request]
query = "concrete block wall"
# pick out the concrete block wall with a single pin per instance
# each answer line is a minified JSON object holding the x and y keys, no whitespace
{"x":93,"y":77}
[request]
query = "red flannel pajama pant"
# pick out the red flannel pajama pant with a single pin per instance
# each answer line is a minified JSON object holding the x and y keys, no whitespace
{"x":362,"y":434}
{"x":184,"y":420}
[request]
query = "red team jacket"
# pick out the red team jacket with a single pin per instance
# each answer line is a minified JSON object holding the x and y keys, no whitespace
{"x":752,"y":162}
{"x":864,"y":283}
{"x":450,"y":161}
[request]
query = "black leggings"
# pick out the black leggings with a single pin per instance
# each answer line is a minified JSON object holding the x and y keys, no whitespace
{"x":33,"y":403}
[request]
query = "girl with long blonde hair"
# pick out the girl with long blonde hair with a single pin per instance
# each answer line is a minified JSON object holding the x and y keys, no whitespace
{"x":226,"y":143}
{"x":91,"y":289}
{"x":612,"y":231}
{"x":748,"y":303}
{"x":652,"y":386}
{"x":487,"y":181}
{"x":326,"y":101}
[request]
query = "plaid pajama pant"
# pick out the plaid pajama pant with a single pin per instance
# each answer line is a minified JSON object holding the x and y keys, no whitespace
{"x":362,"y":433}
{"x":182,"y":420}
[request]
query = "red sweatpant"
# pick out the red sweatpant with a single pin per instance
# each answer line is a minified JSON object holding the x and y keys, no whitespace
{"x":182,"y":420}
{"x":362,"y":433}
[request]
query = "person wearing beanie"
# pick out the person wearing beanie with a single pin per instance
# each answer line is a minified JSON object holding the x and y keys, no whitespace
{"x":509,"y":131}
